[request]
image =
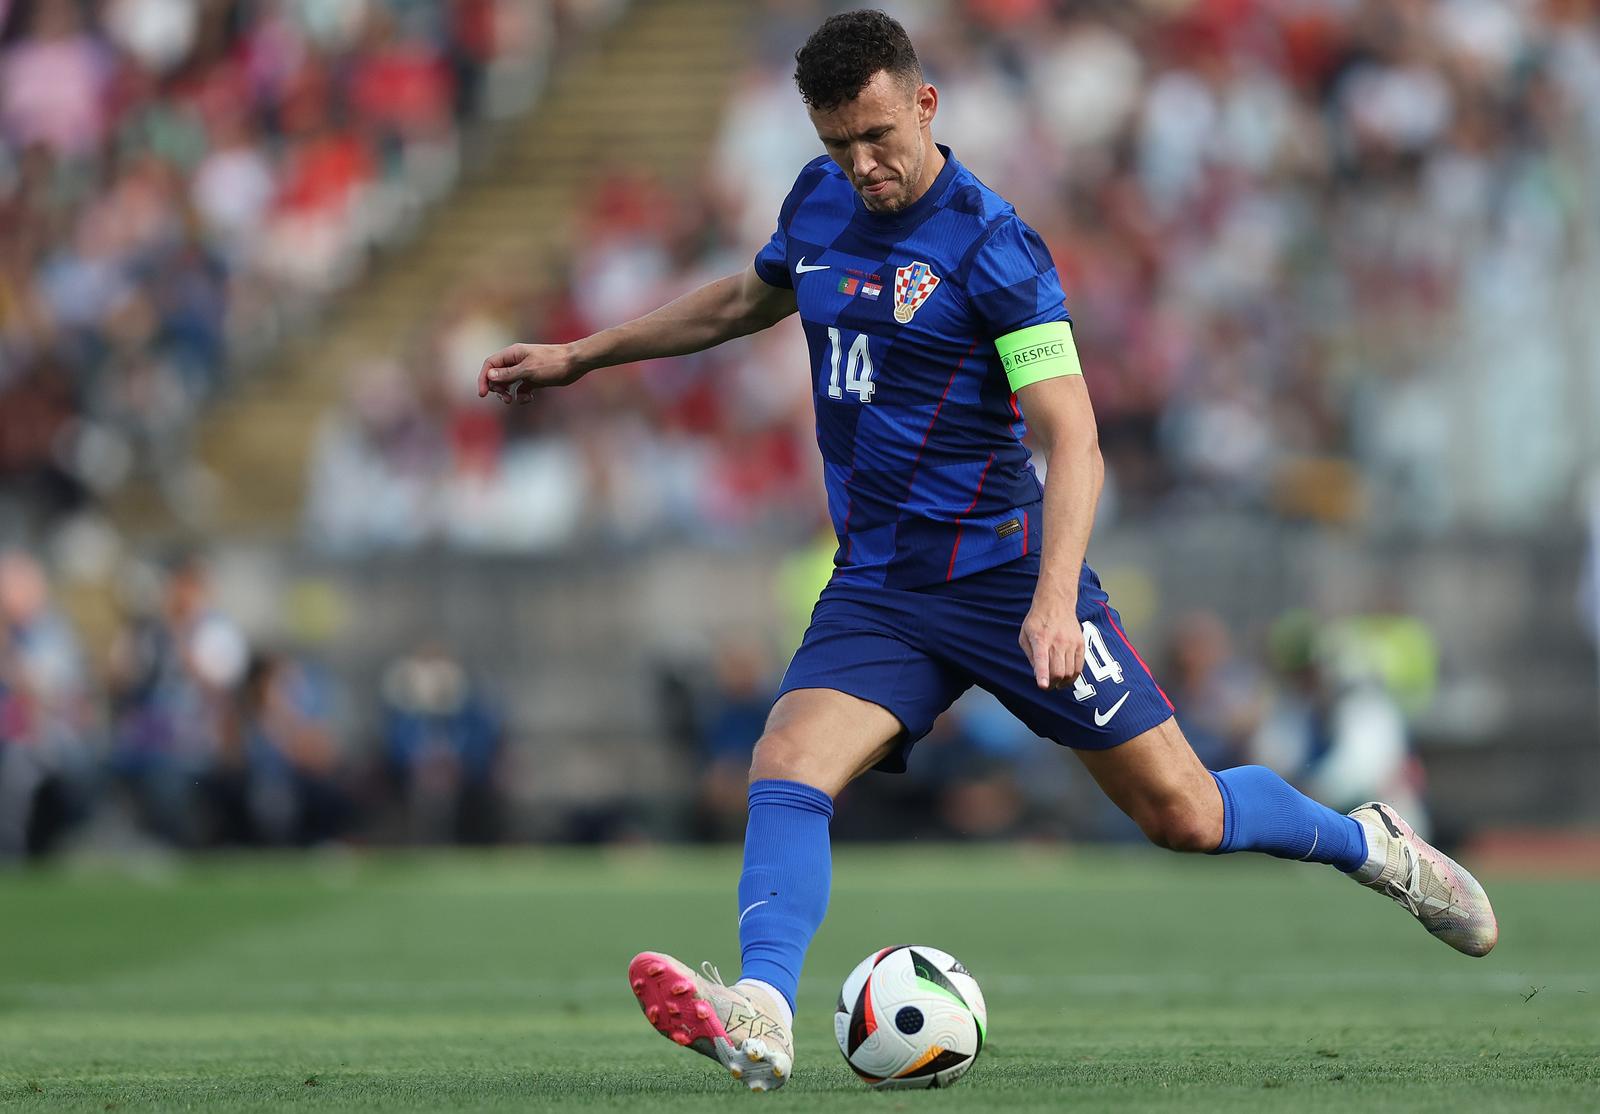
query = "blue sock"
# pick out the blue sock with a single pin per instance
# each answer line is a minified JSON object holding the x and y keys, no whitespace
{"x":1262,"y":812}
{"x":783,"y":892}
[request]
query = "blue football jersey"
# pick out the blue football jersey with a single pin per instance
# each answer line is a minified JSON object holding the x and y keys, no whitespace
{"x":921,"y":437}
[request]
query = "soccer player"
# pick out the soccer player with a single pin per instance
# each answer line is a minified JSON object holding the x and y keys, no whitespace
{"x":935,"y":321}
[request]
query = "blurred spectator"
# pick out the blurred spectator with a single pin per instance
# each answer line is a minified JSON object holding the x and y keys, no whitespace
{"x":371,"y":464}
{"x":1216,"y":694}
{"x":733,"y":715}
{"x":173,"y":674}
{"x":299,"y":787}
{"x":55,"y":80}
{"x":442,"y":744}
{"x":47,"y":762}
{"x":1332,"y":729}
{"x":1393,"y":648}
{"x":976,"y":775}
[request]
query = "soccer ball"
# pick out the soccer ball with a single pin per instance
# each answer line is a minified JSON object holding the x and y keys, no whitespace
{"x":909,"y":1017}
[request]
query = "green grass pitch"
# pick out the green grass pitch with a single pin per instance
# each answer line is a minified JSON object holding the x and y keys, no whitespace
{"x":1115,"y":980}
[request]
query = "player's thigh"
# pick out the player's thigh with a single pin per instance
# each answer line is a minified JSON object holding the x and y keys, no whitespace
{"x":860,"y":691}
{"x":824,"y":738}
{"x":1157,"y":779}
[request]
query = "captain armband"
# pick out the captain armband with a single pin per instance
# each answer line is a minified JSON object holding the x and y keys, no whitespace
{"x":1038,"y":352}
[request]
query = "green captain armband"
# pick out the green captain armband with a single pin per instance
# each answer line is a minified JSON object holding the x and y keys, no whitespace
{"x":1038,"y":352}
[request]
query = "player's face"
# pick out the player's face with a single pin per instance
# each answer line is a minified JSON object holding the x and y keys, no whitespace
{"x":881,"y":140}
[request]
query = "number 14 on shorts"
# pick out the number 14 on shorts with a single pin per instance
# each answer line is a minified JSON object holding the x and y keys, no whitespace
{"x":1097,"y":663}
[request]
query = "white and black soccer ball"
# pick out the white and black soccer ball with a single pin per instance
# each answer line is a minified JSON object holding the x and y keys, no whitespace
{"x":909,"y":1017}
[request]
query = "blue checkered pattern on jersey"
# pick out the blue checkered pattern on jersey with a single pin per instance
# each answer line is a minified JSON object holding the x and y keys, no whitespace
{"x":921,"y":437}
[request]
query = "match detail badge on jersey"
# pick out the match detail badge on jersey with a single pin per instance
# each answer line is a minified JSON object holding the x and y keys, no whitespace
{"x":912,"y":286}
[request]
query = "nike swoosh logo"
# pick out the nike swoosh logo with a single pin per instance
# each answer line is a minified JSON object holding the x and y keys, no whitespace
{"x":1316,"y":834}
{"x":746,"y":913}
{"x":1103,"y":718}
{"x":800,"y":268}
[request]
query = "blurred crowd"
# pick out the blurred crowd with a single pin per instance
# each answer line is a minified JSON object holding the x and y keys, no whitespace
{"x":1305,"y":243}
{"x":183,"y":733}
{"x":184,"y":183}
{"x":180,"y":730}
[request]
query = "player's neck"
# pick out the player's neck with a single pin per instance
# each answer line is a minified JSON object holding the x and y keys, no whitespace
{"x":930,"y":174}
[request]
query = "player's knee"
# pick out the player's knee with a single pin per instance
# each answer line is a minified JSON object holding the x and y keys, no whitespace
{"x":1180,"y":826}
{"x":792,"y":755}
{"x":781,"y":753}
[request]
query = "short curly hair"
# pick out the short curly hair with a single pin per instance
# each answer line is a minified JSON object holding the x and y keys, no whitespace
{"x":844,"y":53}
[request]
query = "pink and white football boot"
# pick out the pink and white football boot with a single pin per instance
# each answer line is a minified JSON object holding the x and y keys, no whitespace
{"x":737,"y":1026}
{"x":1432,"y":886}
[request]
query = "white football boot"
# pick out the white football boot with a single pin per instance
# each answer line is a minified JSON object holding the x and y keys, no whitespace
{"x":737,"y":1026}
{"x":1432,"y":886}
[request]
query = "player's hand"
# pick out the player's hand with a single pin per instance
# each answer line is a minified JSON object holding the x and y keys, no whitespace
{"x":517,"y":373}
{"x":1052,"y":638}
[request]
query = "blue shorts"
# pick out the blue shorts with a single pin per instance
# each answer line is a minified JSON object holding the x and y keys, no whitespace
{"x":913,"y":651}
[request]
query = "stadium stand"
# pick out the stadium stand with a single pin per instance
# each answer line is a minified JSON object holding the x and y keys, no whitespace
{"x":183,"y":187}
{"x":1286,"y":231}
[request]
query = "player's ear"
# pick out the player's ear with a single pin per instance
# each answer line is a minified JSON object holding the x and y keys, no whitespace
{"x":927,"y":104}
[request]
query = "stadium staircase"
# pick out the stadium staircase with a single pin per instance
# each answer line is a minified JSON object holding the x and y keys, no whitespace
{"x":646,"y":94}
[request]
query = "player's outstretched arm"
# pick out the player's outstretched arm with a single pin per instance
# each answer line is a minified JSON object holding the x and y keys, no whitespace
{"x":703,"y":318}
{"x":1060,"y":412}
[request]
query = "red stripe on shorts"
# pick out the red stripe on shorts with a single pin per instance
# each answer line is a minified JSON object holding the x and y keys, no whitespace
{"x":1113,"y":620}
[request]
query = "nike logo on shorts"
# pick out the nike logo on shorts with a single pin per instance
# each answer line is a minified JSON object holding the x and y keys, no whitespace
{"x":800,"y":268}
{"x":1103,"y":718}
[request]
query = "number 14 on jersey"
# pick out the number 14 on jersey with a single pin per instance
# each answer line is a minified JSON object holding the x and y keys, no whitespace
{"x":858,"y":367}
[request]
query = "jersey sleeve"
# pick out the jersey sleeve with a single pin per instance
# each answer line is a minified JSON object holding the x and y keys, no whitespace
{"x":1016,"y":294}
{"x":772,"y":261}
{"x":1013,"y":283}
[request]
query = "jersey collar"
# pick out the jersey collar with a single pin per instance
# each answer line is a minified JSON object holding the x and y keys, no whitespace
{"x":919,"y":208}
